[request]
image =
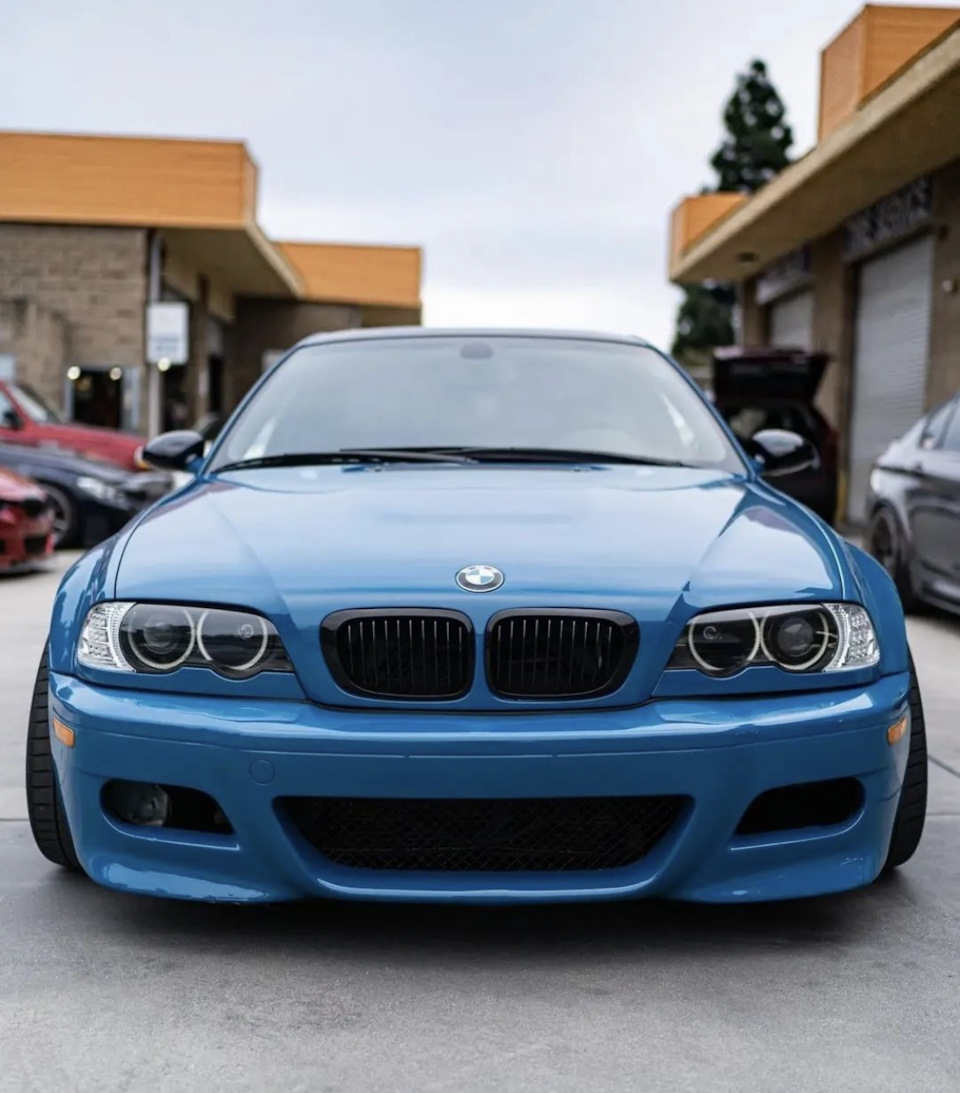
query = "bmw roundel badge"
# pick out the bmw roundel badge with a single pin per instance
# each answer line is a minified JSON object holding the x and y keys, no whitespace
{"x":479,"y":578}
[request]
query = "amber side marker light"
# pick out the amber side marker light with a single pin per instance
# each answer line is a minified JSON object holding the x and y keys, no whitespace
{"x":68,"y":737}
{"x":897,"y":731}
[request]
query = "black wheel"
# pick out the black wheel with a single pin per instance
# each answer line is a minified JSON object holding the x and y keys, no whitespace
{"x":886,"y":542}
{"x":66,"y":518}
{"x":912,"y":810}
{"x":48,"y":820}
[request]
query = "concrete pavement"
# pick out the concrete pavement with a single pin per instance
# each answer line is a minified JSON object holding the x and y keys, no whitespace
{"x":106,"y":992}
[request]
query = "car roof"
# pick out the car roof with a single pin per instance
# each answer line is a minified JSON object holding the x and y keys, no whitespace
{"x":378,"y":333}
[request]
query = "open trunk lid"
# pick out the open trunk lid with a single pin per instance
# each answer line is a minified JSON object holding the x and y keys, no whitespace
{"x":766,"y":374}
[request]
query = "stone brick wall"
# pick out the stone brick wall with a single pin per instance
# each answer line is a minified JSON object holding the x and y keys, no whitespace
{"x":39,"y":341}
{"x":94,"y":278}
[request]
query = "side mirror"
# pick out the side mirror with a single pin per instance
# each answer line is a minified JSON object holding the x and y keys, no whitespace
{"x":781,"y":452}
{"x":11,"y":419}
{"x":180,"y":450}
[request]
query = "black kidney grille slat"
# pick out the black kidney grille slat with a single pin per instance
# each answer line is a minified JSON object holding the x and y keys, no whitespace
{"x":559,"y":654}
{"x":552,"y":834}
{"x":407,"y":654}
{"x":33,"y":506}
{"x":584,"y":655}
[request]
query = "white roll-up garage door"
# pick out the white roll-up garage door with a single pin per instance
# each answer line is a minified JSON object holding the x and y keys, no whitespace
{"x":791,"y":322}
{"x":891,"y":347}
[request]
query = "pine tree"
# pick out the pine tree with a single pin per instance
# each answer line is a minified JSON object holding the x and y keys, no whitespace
{"x":758,"y":139}
{"x":754,"y":150}
{"x":704,"y":321}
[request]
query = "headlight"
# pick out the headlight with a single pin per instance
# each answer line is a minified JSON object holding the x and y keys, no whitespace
{"x":159,"y":638}
{"x":101,"y":490}
{"x":820,"y":637}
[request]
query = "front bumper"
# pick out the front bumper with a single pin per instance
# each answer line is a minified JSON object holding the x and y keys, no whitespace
{"x":25,"y":543}
{"x":247,"y":754}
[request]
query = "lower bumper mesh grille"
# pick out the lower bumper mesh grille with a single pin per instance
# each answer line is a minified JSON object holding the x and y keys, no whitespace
{"x":554,"y":834}
{"x":806,"y":804}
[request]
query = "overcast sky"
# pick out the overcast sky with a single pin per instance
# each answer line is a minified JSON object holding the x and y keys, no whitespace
{"x":534,"y":148}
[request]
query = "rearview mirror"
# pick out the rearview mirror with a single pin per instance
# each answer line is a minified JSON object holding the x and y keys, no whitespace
{"x":781,"y":452}
{"x":180,"y":450}
{"x":11,"y":419}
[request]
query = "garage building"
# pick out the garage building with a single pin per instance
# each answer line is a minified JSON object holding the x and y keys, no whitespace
{"x":855,"y":248}
{"x":96,"y":231}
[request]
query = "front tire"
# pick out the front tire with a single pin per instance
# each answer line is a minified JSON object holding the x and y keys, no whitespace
{"x":912,"y":809}
{"x":886,"y":543}
{"x":66,"y":516}
{"x":48,"y":819}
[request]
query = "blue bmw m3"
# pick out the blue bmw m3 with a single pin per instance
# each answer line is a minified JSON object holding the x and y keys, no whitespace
{"x":477,"y":616}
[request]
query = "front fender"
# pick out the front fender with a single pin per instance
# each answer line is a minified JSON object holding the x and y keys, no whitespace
{"x":888,"y":489}
{"x":880,"y":597}
{"x":89,"y":580}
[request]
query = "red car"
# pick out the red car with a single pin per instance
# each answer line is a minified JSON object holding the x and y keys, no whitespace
{"x":26,"y":419}
{"x":26,"y":522}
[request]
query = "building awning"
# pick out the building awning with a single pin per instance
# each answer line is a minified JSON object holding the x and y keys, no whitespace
{"x":202,"y":196}
{"x":376,"y":276}
{"x":202,"y":193}
{"x":241,"y":260}
{"x":908,"y":129}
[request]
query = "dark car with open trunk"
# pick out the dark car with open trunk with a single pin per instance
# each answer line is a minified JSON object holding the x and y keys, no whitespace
{"x":774,"y":388}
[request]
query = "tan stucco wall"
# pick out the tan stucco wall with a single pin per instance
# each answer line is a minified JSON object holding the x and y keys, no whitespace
{"x":943,"y":378}
{"x":832,"y":324}
{"x":753,"y":319}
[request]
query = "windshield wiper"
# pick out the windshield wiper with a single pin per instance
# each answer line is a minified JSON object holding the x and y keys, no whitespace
{"x":559,"y":455}
{"x":346,"y":455}
{"x":448,"y":455}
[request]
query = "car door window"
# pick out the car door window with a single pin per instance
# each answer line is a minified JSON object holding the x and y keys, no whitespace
{"x":935,"y":425}
{"x":8,"y":412}
{"x":950,"y":439}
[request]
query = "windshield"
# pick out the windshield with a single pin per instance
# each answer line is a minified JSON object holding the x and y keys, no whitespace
{"x":493,"y":392}
{"x":35,"y":407}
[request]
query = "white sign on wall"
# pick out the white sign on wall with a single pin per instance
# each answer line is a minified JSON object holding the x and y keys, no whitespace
{"x":168,"y":333}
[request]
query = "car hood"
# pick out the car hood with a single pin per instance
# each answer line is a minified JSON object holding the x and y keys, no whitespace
{"x":299,"y":544}
{"x":15,"y":487}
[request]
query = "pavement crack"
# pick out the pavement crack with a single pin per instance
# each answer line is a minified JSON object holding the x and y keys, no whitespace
{"x":944,"y":766}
